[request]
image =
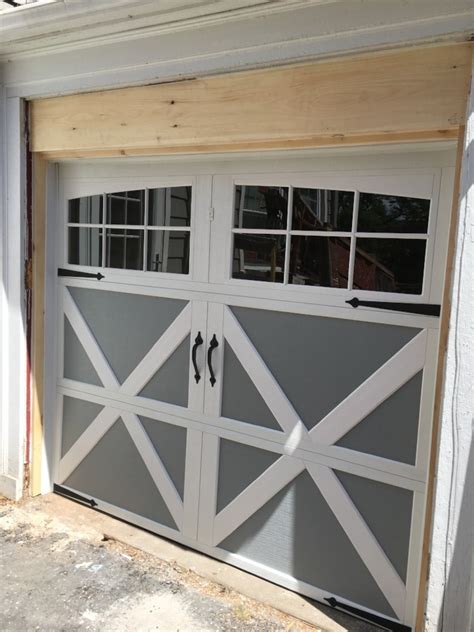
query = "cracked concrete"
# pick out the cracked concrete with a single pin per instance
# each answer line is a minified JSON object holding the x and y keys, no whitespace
{"x":60,"y":573}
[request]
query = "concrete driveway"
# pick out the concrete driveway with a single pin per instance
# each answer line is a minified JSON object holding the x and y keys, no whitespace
{"x":65,"y":567}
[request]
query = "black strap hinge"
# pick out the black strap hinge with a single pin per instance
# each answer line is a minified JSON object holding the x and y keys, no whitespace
{"x":388,"y":624}
{"x":412,"y":308}
{"x":68,"y":493}
{"x":63,"y":272}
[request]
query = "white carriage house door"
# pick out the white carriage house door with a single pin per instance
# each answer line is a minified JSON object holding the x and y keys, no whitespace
{"x":258,"y":385}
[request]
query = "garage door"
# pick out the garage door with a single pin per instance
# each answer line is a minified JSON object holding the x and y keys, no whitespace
{"x":246,"y":366}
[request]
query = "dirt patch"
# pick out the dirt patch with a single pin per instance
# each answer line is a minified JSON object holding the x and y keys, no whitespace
{"x":56,"y":577}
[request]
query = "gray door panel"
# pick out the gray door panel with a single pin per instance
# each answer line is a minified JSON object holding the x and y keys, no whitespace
{"x":77,"y":365}
{"x":114,"y":472}
{"x":297,"y":533}
{"x":125,"y":325}
{"x":391,"y":430}
{"x":240,"y":398}
{"x":78,"y":414}
{"x":319,"y":361}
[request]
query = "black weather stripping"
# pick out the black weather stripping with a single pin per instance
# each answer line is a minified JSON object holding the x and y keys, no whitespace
{"x":412,"y":308}
{"x":387,"y":624}
{"x":82,"y":275}
{"x":67,"y":493}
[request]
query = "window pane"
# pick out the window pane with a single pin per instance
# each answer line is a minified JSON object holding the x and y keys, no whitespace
{"x":86,"y":210}
{"x":322,"y":209}
{"x":126,"y":207}
{"x":170,"y":207}
{"x":85,"y":246}
{"x":259,"y":257}
{"x":168,"y":251}
{"x":261,"y":207}
{"x":390,"y":265}
{"x":392,"y":214}
{"x":124,"y":249}
{"x":322,"y":261}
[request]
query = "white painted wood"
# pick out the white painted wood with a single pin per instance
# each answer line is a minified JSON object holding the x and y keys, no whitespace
{"x":87,"y":340}
{"x":13,"y":317}
{"x":213,"y":394}
{"x":192,"y":482}
{"x":415,"y":553}
{"x":161,"y":351}
{"x":92,"y":48}
{"x":372,"y":392}
{"x":155,"y":466}
{"x":198,"y":326}
{"x":361,"y":537}
{"x":208,"y":490}
{"x":260,"y":491}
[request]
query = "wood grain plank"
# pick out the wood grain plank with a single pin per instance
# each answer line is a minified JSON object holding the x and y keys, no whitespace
{"x":378,"y":96}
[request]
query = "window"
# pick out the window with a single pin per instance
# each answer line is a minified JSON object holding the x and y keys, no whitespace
{"x":330,"y":238}
{"x":146,"y":229}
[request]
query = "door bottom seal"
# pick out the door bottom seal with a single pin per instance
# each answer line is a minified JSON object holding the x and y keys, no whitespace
{"x":388,"y":624}
{"x":67,"y":493}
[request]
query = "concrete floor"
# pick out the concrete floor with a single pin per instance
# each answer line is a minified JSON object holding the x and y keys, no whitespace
{"x":65,"y":567}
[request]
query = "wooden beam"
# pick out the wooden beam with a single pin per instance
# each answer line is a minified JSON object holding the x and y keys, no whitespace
{"x":443,"y":343}
{"x":416,"y":94}
{"x":37,"y":321}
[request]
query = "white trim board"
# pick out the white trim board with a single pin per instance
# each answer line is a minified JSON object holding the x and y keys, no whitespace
{"x":301,"y":31}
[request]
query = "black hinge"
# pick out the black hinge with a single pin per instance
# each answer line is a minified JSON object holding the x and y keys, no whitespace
{"x":413,"y":308}
{"x":68,"y":493}
{"x":63,"y":272}
{"x":388,"y":624}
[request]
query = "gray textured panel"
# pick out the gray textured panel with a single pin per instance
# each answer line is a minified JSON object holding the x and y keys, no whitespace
{"x":391,"y":430}
{"x":390,"y":526}
{"x":297,"y":533}
{"x":125,"y":325}
{"x":170,"y":383}
{"x":77,"y":417}
{"x":239,"y":465}
{"x":170,"y":443}
{"x":319,"y":361}
{"x":77,"y":365}
{"x":114,"y":471}
{"x":240,"y":398}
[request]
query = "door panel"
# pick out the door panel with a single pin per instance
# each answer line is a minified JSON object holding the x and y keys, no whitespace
{"x":318,"y":362}
{"x":130,"y":345}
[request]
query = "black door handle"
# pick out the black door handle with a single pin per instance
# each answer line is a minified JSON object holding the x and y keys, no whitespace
{"x":197,"y":343}
{"x":63,"y":272}
{"x":212,"y":345}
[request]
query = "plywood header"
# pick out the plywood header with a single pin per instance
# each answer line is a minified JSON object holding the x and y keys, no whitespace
{"x":401,"y":95}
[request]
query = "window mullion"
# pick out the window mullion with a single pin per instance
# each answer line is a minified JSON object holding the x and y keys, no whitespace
{"x":145,"y":232}
{"x":104,"y":221}
{"x":355,"y":217}
{"x":289,"y":214}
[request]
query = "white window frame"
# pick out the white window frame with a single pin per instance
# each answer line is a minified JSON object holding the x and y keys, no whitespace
{"x":421,"y":183}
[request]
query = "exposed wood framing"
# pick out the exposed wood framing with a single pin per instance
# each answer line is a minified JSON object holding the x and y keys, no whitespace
{"x":443,"y":341}
{"x":37,"y":356}
{"x":393,"y":96}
